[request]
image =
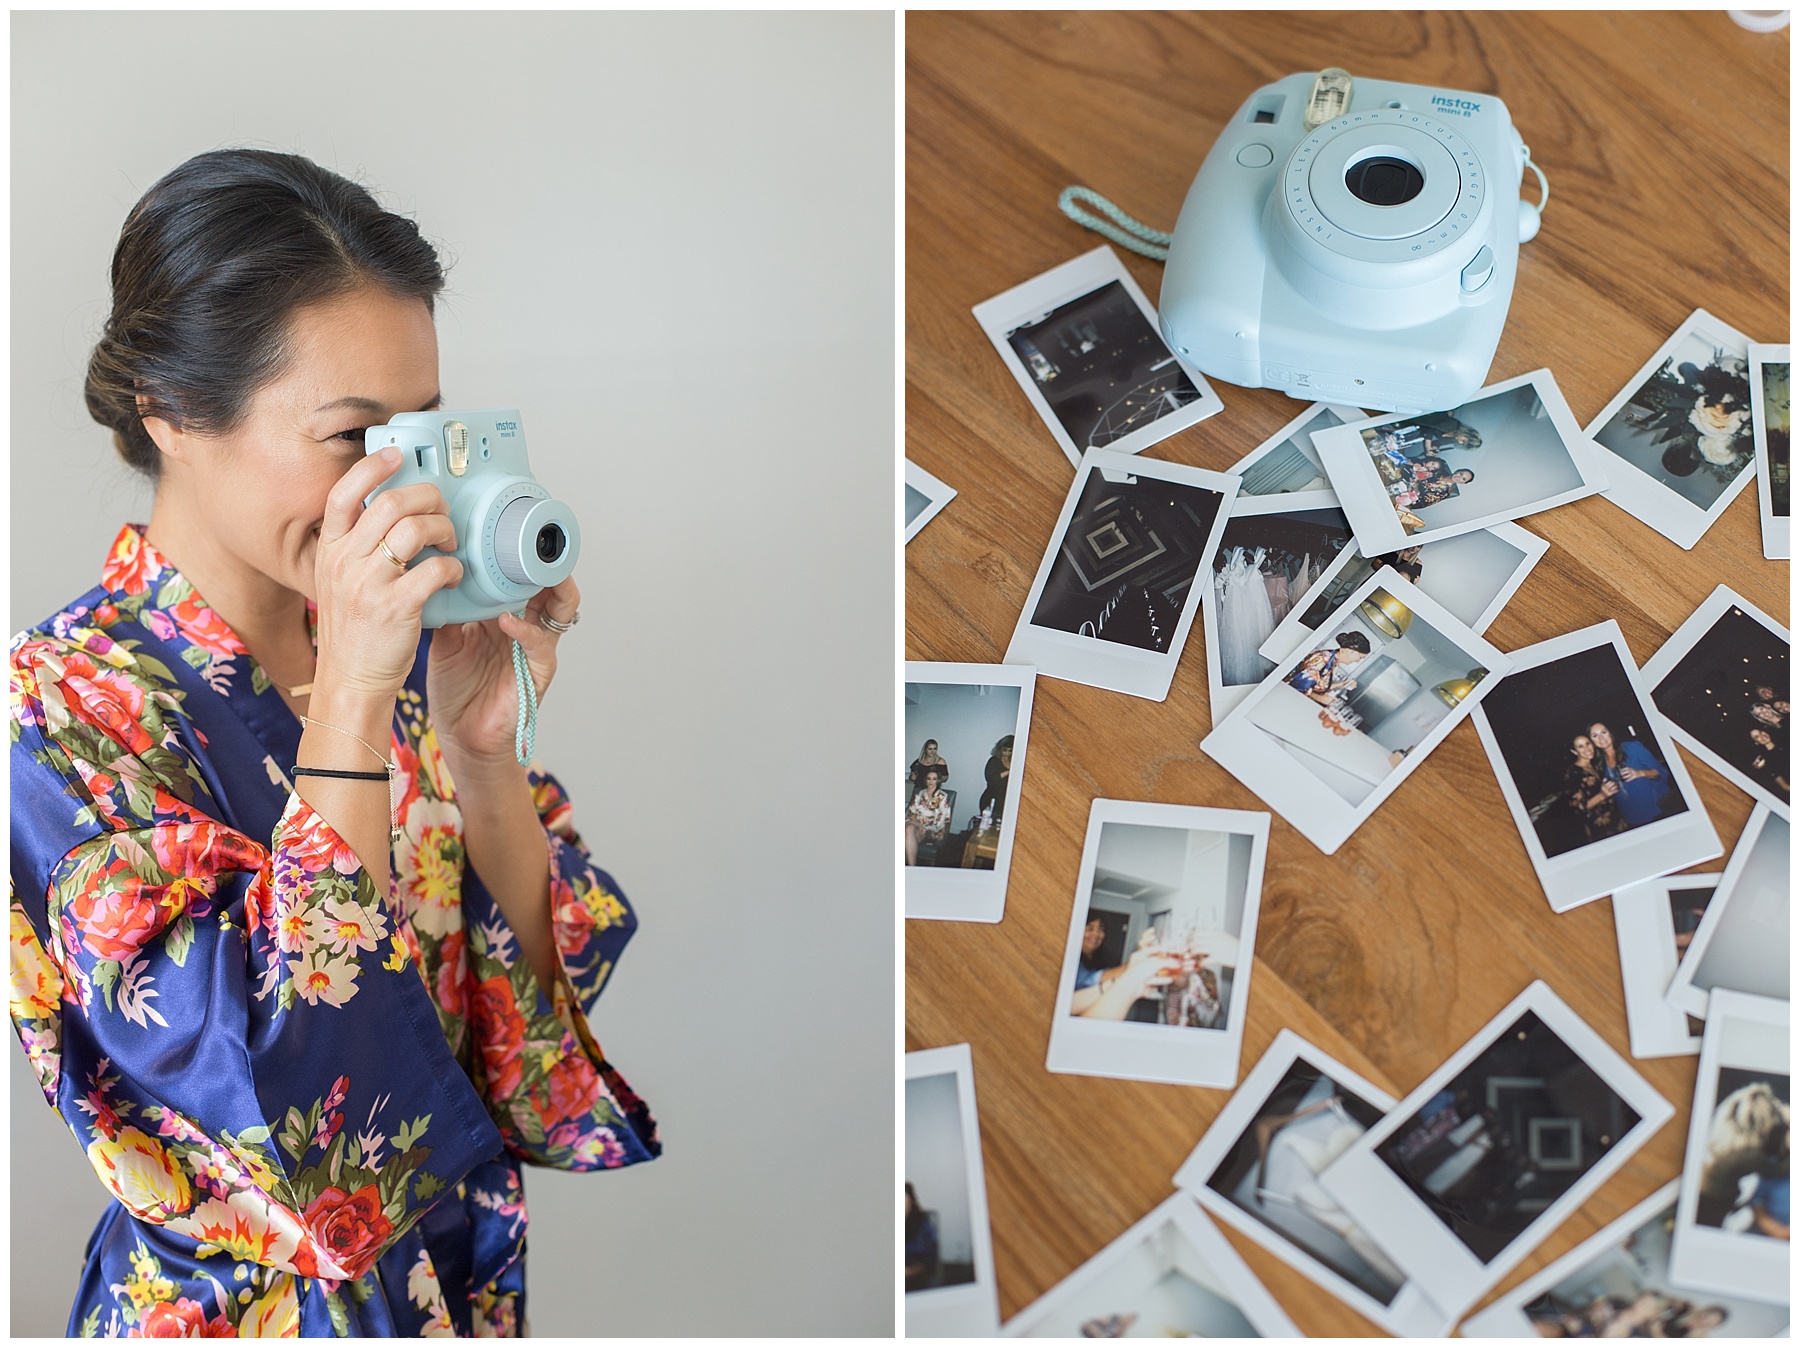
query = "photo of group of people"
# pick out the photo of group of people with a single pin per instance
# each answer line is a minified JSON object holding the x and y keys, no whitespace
{"x":953,"y":816}
{"x":1159,"y":944}
{"x":1729,"y":691}
{"x":1616,"y":1285}
{"x":1581,"y":750}
{"x":1127,"y":561}
{"x":1744,"y":1179}
{"x":1507,"y":1136}
{"x":1268,"y":563}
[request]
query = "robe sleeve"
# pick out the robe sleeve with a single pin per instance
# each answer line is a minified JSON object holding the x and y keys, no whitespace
{"x":557,"y":1100}
{"x":229,"y":1025}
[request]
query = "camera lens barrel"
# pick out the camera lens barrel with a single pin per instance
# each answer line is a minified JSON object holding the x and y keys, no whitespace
{"x":536,"y":541}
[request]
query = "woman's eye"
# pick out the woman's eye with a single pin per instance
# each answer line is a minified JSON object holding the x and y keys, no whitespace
{"x":355,"y":433}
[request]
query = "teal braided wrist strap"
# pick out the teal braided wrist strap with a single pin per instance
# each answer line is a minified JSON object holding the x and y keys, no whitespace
{"x":525,"y":738}
{"x":1135,"y":235}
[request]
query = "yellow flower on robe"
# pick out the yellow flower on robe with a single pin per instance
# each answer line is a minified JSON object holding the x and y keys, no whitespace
{"x":140,"y":1174}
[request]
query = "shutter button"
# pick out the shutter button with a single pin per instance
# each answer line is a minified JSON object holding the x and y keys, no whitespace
{"x":1256,"y":155}
{"x":1480,"y":268}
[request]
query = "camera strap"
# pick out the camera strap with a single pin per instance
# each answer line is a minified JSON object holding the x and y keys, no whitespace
{"x":1132,"y":234}
{"x":525,"y":737}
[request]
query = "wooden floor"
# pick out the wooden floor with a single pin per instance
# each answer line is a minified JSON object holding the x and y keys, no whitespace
{"x":1665,"y":140}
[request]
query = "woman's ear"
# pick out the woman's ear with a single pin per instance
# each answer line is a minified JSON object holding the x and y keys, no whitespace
{"x":168,"y":438}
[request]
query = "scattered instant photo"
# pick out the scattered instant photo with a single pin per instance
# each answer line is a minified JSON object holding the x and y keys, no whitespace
{"x":1600,"y":798}
{"x":1271,"y":557}
{"x":1472,"y":1170}
{"x":1512,"y":450}
{"x":1341,"y":722}
{"x":1472,"y":575}
{"x":1083,"y":343}
{"x":1731,"y":1221}
{"x":1769,"y":417}
{"x":1114,"y":597}
{"x":925,"y":496}
{"x":1721,"y":685}
{"x":1172,"y":1275}
{"x":1655,"y":923}
{"x":1616,"y":1285}
{"x":1156,"y":974}
{"x":1287,"y":462}
{"x":1742,"y":940}
{"x":966,"y":728}
{"x":1258,"y":1169}
{"x":949,"y":1257}
{"x":1678,"y":435}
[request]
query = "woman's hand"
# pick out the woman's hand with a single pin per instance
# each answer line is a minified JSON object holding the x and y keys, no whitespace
{"x":368,"y":607}
{"x":470,"y":684}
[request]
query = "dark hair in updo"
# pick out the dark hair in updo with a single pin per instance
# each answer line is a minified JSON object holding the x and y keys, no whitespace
{"x":1353,"y":641}
{"x":212,"y":264}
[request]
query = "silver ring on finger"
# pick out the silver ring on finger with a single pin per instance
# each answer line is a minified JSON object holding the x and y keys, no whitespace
{"x":388,"y":552}
{"x":559,"y":627}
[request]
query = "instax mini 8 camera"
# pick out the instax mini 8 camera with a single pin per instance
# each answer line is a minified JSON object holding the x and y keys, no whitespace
{"x":512,"y":537}
{"x":1353,"y":241}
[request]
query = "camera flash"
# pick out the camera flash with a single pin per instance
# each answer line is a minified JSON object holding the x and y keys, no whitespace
{"x":1330,"y":96}
{"x":456,"y":443}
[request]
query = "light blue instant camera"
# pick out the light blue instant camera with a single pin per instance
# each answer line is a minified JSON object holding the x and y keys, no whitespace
{"x":512,"y":537}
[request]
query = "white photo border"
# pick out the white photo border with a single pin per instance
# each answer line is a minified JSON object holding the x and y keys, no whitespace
{"x":937,"y":492}
{"x":1414,"y":1238}
{"x":1647,"y":962}
{"x":974,"y":895}
{"x":1411,"y":1313}
{"x":1371,"y":510}
{"x":1701,"y":1257}
{"x":1774,"y":527}
{"x":1252,"y":1299}
{"x":1093,"y":661}
{"x":1032,"y":300}
{"x":1322,"y":816}
{"x":1639,"y":494}
{"x":974,"y":1308}
{"x":1596,"y":869}
{"x":1690,"y":634}
{"x":1682,"y":993}
{"x":1175,"y":1055}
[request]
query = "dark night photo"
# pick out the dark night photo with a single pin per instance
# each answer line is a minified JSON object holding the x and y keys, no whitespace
{"x":1127,"y":562}
{"x":1508,"y":1136}
{"x":1730,"y":692}
{"x":1104,"y":370}
{"x":1581,"y":751}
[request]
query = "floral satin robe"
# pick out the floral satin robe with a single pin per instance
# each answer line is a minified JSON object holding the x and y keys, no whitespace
{"x":309,"y":1101}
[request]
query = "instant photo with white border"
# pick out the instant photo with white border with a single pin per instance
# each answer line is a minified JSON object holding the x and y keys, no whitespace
{"x":1221,"y":696}
{"x":1036,"y":300}
{"x":1748,"y":1035}
{"x":1217,"y":866}
{"x":1597,"y":868}
{"x":1407,"y":1313}
{"x":970,"y":1308}
{"x":968,"y":893}
{"x":1614,"y":1249}
{"x":1742,"y":943}
{"x":1293,"y":786}
{"x":1365,"y":498}
{"x":1774,"y":526}
{"x":1644,"y":923}
{"x":1091,"y":1293}
{"x":937,"y":495}
{"x":1453,"y":1277}
{"x":1638,"y":492}
{"x":1698,"y":626}
{"x":1477,"y":606}
{"x":1129,"y":550}
{"x":1265,"y":468}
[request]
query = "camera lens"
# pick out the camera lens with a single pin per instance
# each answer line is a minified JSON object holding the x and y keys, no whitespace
{"x":1384,"y":181}
{"x":550,"y":543}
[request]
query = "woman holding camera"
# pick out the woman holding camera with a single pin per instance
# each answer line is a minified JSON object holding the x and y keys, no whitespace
{"x":301,"y":953}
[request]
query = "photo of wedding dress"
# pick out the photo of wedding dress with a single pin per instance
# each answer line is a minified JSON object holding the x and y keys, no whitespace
{"x":1267,"y":565}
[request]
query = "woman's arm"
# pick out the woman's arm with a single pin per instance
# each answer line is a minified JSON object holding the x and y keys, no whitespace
{"x":505,"y":844}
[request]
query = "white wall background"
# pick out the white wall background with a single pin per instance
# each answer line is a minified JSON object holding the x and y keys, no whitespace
{"x":672,"y":238}
{"x":967,"y":720}
{"x":934,"y":1162}
{"x":1521,"y":459}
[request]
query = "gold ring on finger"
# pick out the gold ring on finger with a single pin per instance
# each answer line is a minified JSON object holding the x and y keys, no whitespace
{"x":388,"y":552}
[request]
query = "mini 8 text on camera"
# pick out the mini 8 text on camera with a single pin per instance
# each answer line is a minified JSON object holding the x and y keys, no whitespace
{"x":512,"y":537}
{"x":1351,"y":240}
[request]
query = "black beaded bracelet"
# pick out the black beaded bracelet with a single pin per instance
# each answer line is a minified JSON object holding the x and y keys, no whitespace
{"x":335,"y":772}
